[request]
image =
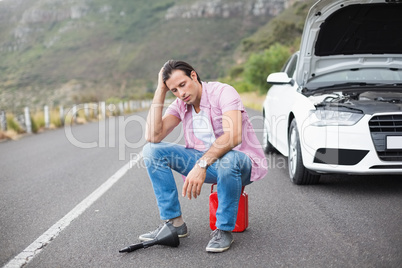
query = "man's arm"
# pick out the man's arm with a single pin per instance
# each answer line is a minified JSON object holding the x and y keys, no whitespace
{"x":232,"y":136}
{"x":159,"y":127}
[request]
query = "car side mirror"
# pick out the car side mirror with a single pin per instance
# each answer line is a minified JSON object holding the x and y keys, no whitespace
{"x":281,"y":78}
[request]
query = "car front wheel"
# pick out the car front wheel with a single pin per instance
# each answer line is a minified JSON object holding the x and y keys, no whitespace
{"x":297,"y":172}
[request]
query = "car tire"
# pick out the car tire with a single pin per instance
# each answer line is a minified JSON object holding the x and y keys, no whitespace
{"x":298,"y":173}
{"x":268,"y":147}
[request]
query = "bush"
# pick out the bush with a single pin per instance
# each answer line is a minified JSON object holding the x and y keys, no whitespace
{"x":12,"y":124}
{"x":38,"y":121}
{"x":260,"y":65}
{"x":36,"y":125}
{"x":55,"y":120}
{"x":243,"y":86}
{"x":236,"y":71}
{"x":285,"y":31}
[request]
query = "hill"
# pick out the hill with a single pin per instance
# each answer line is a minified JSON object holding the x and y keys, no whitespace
{"x":70,"y":51}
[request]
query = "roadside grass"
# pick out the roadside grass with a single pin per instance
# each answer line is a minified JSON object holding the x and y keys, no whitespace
{"x":252,"y":100}
{"x":38,"y":121}
{"x":9,"y":135}
{"x":14,"y":130}
{"x":55,"y":120}
{"x":13,"y":124}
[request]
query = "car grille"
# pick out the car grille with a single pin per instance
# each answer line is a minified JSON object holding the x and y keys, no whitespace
{"x":382,"y":126}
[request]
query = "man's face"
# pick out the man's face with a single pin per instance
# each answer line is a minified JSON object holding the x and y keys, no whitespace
{"x":184,"y":87}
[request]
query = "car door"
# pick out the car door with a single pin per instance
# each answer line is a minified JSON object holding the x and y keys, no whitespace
{"x":281,"y":99}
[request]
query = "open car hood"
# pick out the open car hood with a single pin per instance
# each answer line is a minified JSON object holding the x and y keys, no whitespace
{"x":350,"y":34}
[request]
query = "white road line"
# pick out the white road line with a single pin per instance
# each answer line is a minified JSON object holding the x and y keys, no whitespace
{"x":39,"y":244}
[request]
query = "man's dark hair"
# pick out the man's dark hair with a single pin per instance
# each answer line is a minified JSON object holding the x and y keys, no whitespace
{"x":172,"y":65}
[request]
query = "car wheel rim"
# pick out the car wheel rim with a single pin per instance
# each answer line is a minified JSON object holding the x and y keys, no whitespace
{"x":292,"y":152}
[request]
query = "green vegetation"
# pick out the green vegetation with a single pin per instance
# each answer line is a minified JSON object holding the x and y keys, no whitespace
{"x":37,"y":123}
{"x":267,"y":50}
{"x":260,"y":64}
{"x":12,"y":124}
{"x":252,"y":75}
{"x":116,"y":48}
{"x":283,"y":29}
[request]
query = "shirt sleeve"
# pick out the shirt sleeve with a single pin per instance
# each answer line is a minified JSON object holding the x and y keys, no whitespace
{"x":230,"y":100}
{"x":173,"y":109}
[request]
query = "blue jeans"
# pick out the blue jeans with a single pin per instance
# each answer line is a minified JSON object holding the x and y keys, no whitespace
{"x":230,"y":172}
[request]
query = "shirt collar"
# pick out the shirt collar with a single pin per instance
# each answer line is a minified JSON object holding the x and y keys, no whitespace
{"x":204,"y":98}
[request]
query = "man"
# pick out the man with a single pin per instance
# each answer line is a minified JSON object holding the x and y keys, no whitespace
{"x":221,"y":147}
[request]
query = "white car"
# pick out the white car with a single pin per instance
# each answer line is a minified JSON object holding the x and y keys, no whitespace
{"x":336,"y":106}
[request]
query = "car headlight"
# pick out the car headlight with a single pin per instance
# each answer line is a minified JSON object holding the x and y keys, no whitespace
{"x":322,"y":118}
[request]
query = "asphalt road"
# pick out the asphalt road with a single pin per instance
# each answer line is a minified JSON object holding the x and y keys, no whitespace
{"x":345,"y":221}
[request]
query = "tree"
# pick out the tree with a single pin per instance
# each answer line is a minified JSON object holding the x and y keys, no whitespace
{"x":260,"y":65}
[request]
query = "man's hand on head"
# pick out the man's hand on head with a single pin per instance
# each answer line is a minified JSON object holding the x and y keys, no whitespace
{"x":161,"y":84}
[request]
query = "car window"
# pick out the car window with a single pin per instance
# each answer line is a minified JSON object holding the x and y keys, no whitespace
{"x":290,"y":66}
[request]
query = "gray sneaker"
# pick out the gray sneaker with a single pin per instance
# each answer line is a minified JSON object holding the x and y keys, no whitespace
{"x":221,"y":241}
{"x":181,"y":232}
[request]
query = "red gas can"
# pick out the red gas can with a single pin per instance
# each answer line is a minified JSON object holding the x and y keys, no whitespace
{"x":242,"y":213}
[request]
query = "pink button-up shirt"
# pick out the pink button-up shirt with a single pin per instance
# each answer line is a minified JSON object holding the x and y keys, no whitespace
{"x":216,"y":99}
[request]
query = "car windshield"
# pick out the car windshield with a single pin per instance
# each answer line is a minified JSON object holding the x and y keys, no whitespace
{"x":357,"y":77}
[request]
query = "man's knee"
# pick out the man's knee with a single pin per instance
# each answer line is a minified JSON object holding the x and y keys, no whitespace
{"x":147,"y":150}
{"x":232,"y":161}
{"x":154,"y":154}
{"x":151,"y":150}
{"x":156,"y":151}
{"x":227,"y":163}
